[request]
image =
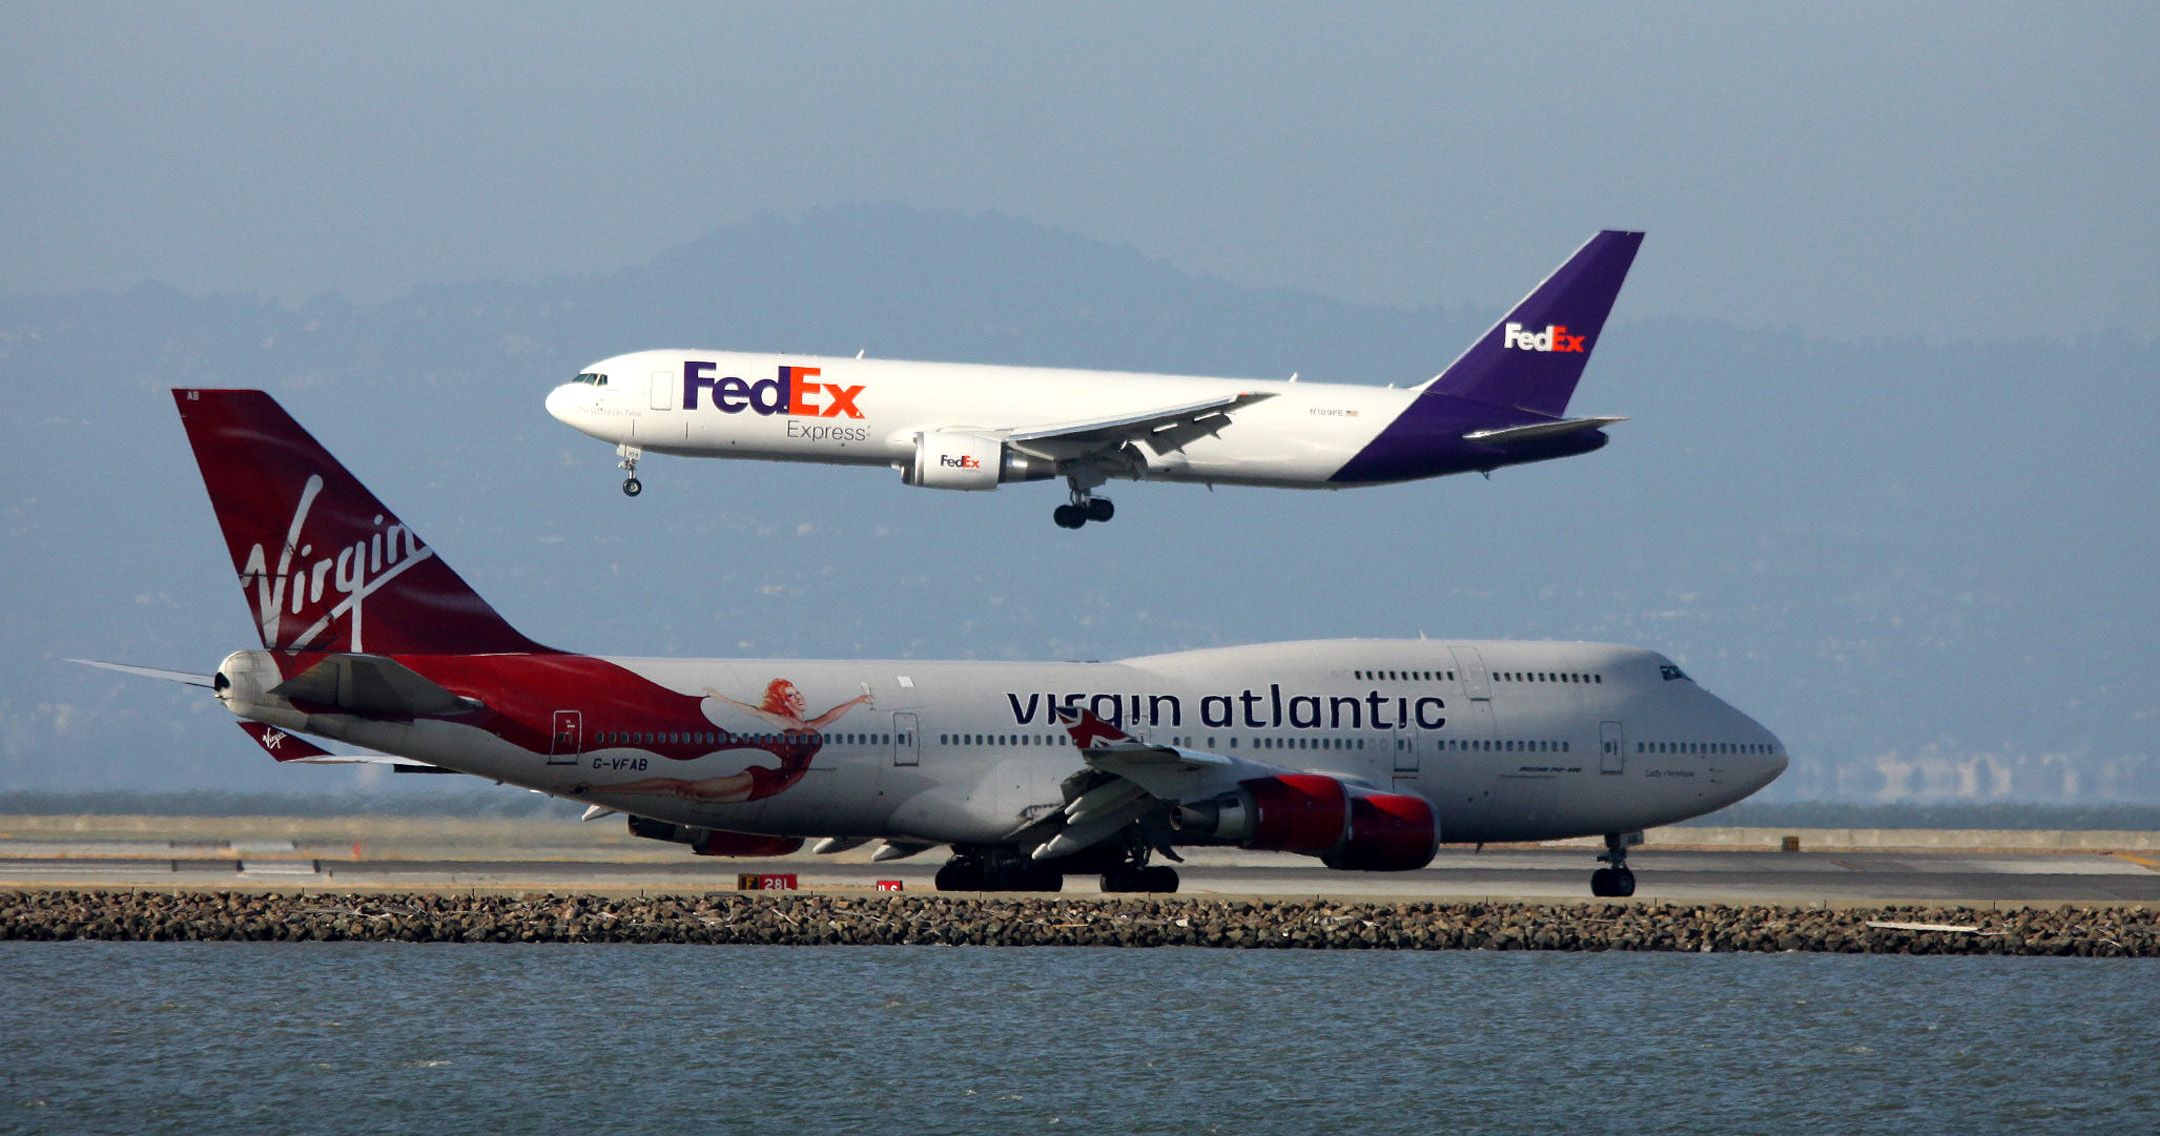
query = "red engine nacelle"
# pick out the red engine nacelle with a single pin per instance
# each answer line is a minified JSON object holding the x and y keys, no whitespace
{"x":1348,"y":828}
{"x":1389,"y":832}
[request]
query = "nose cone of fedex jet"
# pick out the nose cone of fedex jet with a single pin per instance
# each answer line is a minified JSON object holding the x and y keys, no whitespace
{"x":572,"y":404}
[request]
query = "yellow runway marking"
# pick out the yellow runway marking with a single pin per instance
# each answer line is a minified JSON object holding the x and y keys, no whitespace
{"x":2141,"y":861}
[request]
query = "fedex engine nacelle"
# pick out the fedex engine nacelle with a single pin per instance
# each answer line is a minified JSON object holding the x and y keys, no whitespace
{"x":1349,"y":828}
{"x":970,"y":461}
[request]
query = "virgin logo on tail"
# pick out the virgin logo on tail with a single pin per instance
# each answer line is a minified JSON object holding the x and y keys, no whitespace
{"x":344,"y":576}
{"x":1555,"y":337}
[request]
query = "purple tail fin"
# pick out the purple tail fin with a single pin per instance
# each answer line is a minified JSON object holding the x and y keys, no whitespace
{"x":1535,"y":355}
{"x":324,"y":565}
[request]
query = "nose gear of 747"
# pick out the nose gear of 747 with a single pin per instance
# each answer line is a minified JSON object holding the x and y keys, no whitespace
{"x":1615,"y":882}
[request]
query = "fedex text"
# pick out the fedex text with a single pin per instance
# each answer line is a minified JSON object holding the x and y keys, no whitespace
{"x":1554,"y":338}
{"x":794,"y":393}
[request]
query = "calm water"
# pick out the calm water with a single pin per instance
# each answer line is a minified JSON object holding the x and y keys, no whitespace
{"x":391,"y":1038}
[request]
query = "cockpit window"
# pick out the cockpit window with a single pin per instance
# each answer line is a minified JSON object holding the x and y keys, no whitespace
{"x":591,"y":378}
{"x":1672,"y":672}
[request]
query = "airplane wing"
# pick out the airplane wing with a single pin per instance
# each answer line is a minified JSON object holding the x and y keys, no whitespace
{"x":1508,"y":434}
{"x":1162,"y":431}
{"x":1128,"y":780}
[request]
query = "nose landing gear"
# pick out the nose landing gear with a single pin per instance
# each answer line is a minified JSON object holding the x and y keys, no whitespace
{"x":1615,"y":882}
{"x":631,"y":486}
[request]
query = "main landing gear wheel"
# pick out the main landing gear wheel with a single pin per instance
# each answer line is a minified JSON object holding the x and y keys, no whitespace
{"x":1083,"y":506}
{"x":997,"y":873}
{"x":1615,"y":882}
{"x":1126,"y":878}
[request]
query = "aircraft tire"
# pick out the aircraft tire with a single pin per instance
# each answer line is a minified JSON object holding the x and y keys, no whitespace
{"x":1159,"y":879}
{"x":631,"y":487}
{"x":1623,"y":882}
{"x":1100,"y":509}
{"x":957,"y":875}
{"x":1601,"y":883}
{"x":1121,"y":879}
{"x":1068,"y":516}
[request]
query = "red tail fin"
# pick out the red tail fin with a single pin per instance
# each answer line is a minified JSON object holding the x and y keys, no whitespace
{"x":324,"y":566}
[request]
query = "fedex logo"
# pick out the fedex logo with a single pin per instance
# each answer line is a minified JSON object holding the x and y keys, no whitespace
{"x":961,"y":462}
{"x":792,"y":393}
{"x":1555,"y":337}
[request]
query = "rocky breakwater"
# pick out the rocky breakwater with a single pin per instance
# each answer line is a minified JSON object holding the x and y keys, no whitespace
{"x":1043,"y":921}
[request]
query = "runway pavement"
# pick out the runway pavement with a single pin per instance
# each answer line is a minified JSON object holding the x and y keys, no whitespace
{"x":537,"y":856}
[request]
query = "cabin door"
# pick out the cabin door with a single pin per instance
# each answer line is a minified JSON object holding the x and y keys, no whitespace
{"x":567,"y":738}
{"x":906,"y":741}
{"x":1612,"y":756}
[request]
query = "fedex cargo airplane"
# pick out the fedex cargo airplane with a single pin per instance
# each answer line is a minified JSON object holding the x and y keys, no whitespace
{"x":1364,"y":753}
{"x":969,"y":426}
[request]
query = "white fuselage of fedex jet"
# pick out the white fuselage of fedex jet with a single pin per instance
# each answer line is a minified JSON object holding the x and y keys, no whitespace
{"x":974,"y":427}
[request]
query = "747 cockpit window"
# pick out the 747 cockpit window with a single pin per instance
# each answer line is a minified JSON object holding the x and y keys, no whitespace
{"x":591,"y":378}
{"x":1672,"y":672}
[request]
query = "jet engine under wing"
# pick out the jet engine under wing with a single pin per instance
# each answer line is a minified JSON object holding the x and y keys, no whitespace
{"x":372,"y":685}
{"x":1162,"y":431}
{"x":1508,"y":434}
{"x":1127,"y":779}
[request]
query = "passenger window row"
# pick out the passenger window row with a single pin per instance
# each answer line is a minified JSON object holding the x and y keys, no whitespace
{"x":712,"y":737}
{"x":1704,"y":748}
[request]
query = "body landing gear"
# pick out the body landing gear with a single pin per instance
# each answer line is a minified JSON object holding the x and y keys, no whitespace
{"x":988,"y":870}
{"x":1133,"y":874}
{"x":1615,"y":882}
{"x":1084,"y":507}
{"x":631,"y":486}
{"x":1134,"y":878}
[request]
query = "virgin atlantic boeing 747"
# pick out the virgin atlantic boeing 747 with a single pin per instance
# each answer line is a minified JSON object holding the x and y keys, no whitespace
{"x":970,"y":426}
{"x":1364,"y":753}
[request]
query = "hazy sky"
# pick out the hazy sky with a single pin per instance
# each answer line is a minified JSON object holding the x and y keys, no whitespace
{"x":1946,"y":171}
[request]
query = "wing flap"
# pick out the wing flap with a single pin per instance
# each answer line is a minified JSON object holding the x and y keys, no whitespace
{"x":1162,"y":430}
